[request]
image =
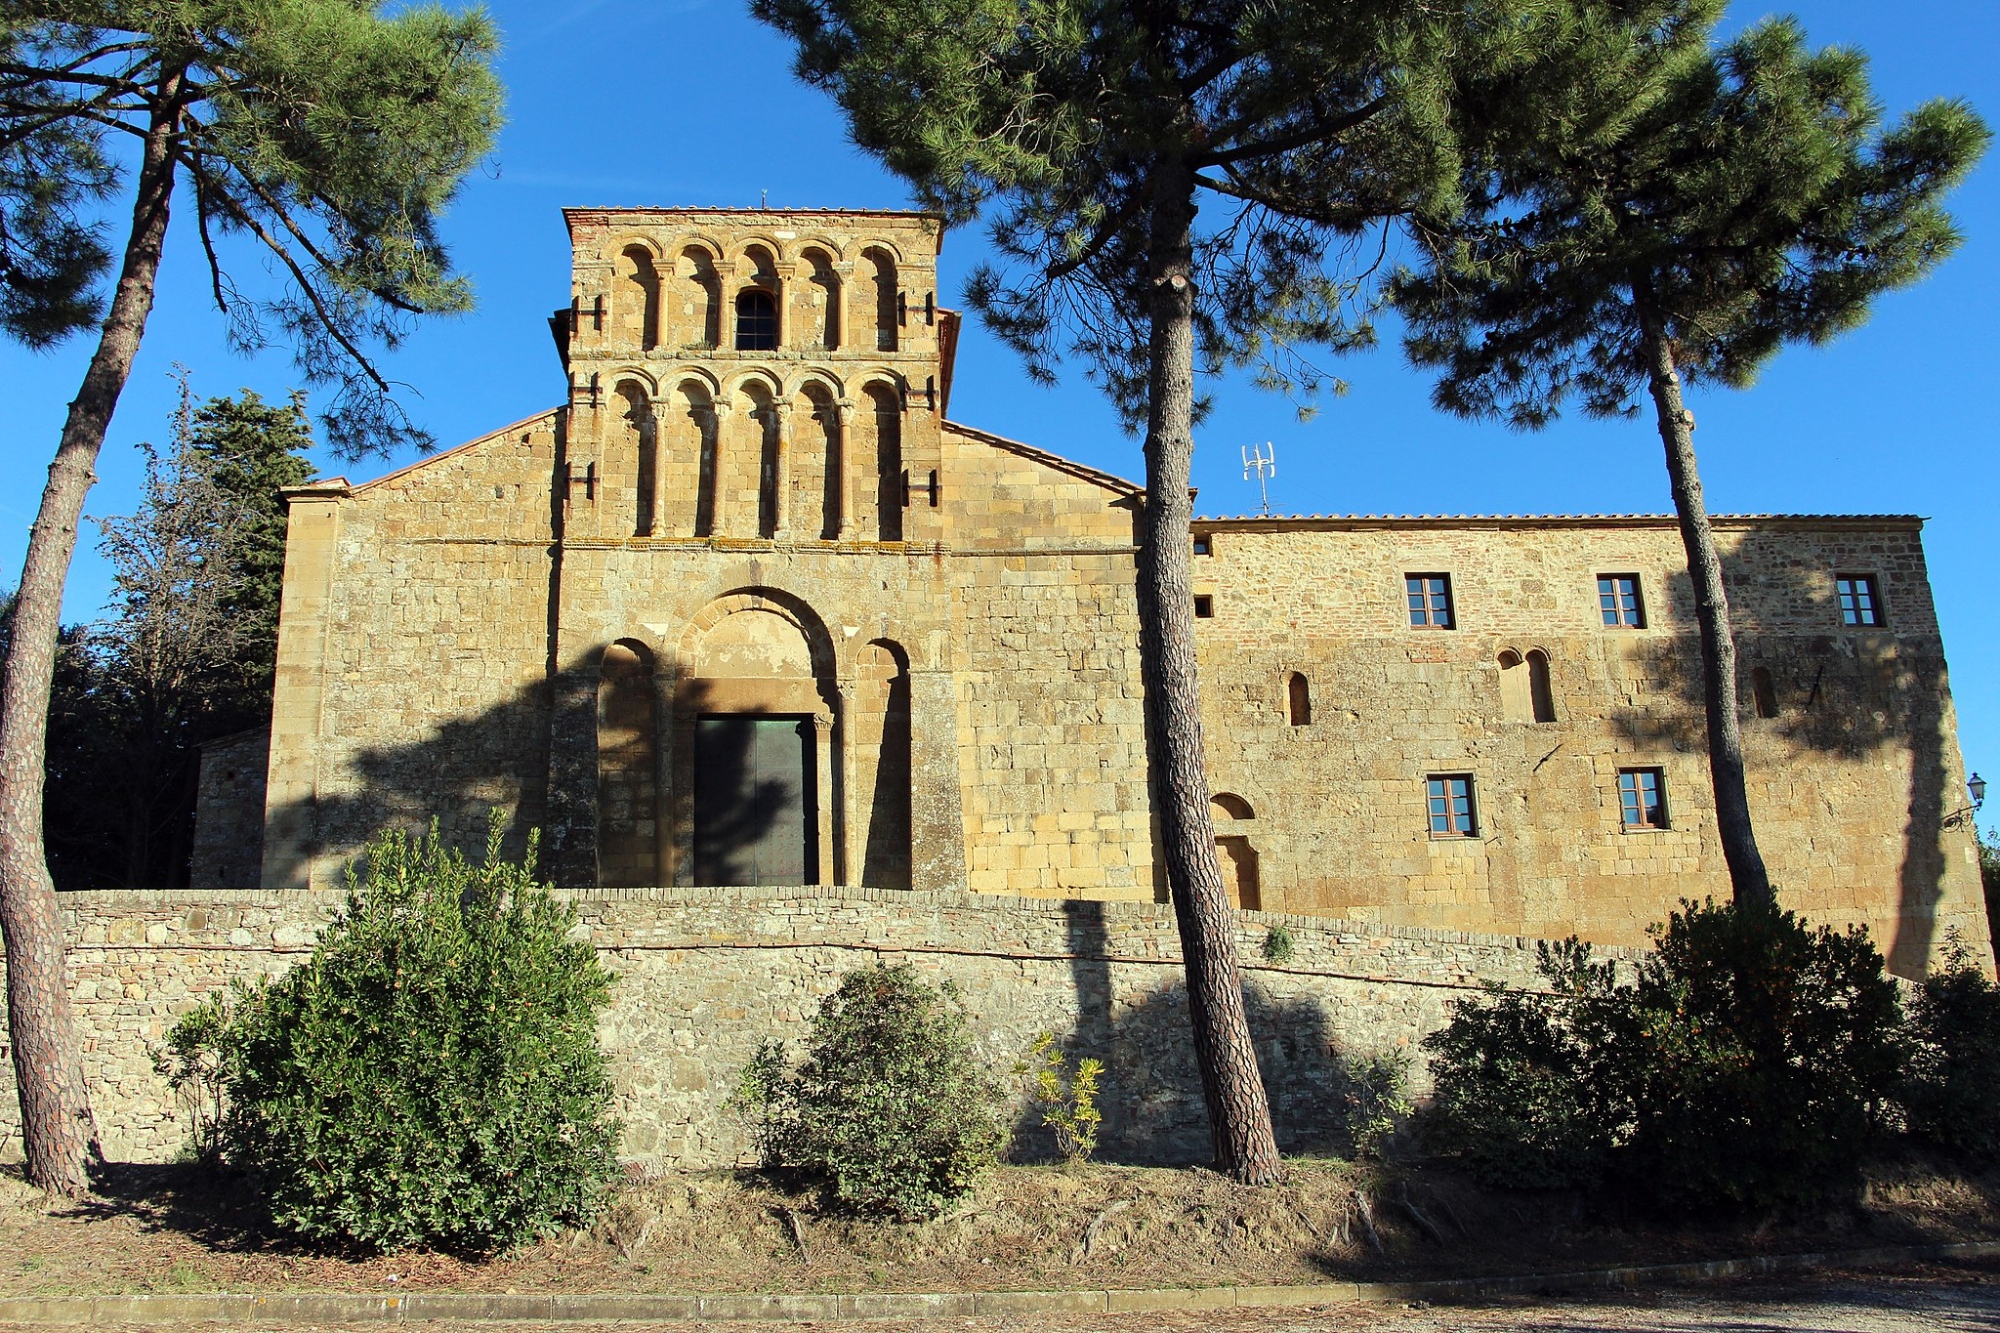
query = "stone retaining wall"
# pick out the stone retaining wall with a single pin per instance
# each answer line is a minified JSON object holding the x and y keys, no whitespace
{"x":705,"y":974}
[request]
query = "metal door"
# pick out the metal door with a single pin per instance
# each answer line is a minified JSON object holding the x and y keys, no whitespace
{"x":754,"y":800}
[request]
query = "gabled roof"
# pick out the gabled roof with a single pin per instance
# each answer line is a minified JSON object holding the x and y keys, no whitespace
{"x":1081,"y":471}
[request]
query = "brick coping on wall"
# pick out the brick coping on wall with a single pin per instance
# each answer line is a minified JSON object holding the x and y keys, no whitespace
{"x":952,"y":899}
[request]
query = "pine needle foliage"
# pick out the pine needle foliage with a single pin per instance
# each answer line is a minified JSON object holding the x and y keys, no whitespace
{"x":431,"y":1075}
{"x":890,"y":1111}
{"x":1747,"y":196}
{"x":324,"y":136}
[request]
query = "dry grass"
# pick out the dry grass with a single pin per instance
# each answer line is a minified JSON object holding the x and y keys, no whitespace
{"x":172,"y":1229}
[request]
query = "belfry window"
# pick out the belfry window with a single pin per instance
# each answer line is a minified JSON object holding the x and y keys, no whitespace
{"x":756,"y":322}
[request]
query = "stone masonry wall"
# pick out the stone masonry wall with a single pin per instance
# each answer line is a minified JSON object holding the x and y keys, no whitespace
{"x":706,"y":974}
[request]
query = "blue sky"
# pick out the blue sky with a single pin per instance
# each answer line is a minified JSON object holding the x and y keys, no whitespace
{"x":626,"y":102}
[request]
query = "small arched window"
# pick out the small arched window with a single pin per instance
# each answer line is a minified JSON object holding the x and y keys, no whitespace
{"x":1525,"y":695}
{"x":756,"y":322}
{"x":1764,"y":692}
{"x":1298,"y":696}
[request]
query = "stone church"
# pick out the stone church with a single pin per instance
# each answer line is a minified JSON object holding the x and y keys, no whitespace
{"x":750,"y":608}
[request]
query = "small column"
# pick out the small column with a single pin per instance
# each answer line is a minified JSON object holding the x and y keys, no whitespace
{"x":662,"y":415}
{"x":851,"y":831}
{"x":781,"y":471}
{"x":823,"y":758}
{"x":850,"y":502}
{"x":783,"y":298}
{"x":721,"y":512}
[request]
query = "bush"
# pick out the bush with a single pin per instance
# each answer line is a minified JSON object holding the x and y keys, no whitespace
{"x":1747,"y":1066}
{"x":431,"y":1075}
{"x":1951,"y":1090}
{"x":1377,"y":1101}
{"x":1516,"y":1079}
{"x":889,"y":1111}
{"x":1068,"y":1104}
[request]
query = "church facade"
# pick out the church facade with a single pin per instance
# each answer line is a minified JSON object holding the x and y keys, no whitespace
{"x":750,"y":608}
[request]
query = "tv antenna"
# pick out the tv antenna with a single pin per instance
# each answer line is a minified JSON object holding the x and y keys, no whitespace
{"x":1261,"y":461}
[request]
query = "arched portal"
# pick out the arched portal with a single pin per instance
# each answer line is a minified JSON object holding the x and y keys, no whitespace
{"x":823,"y":296}
{"x":697,"y":306}
{"x":753,"y":735}
{"x":882,"y":299}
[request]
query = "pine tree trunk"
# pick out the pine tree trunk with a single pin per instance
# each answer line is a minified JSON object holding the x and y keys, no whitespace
{"x":1239,"y":1115}
{"x":1749,"y":881}
{"x":58,"y":1133}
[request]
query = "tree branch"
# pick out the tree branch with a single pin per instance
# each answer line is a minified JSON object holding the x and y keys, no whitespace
{"x":1318,"y":133}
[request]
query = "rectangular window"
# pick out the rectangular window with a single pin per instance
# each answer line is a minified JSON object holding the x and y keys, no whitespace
{"x":1204,"y":544}
{"x":1430,"y":600}
{"x":1451,"y":810}
{"x":1204,"y":607}
{"x":1860,"y":604}
{"x":1618,"y":600}
{"x":1641,"y":798}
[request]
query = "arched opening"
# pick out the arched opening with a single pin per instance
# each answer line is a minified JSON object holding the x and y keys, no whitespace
{"x":1764,"y":692}
{"x":751,"y":467}
{"x":884,"y":416}
{"x":882,"y":763}
{"x":636,"y":457}
{"x":756,"y":321}
{"x":1237,"y":858}
{"x":883,"y":293}
{"x":627,"y":777}
{"x":697,"y":310}
{"x":1540,"y":695}
{"x":1524,"y":687}
{"x":823,"y":285}
{"x":816,"y":463}
{"x":1298,"y":699}
{"x":687,"y":464}
{"x":636,"y":300}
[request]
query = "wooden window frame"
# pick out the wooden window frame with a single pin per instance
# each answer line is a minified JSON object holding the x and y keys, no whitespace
{"x":1851,"y":591}
{"x":1633,"y":815}
{"x":1614,"y":613}
{"x":776,"y":323}
{"x":1452,"y":789}
{"x":1204,"y":606}
{"x":1418,"y":586}
{"x":1204,"y":543}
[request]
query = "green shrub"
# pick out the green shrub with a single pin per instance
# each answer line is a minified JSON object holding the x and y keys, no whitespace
{"x":1068,"y":1102}
{"x":431,"y":1075}
{"x":889,"y":1110}
{"x":1378,"y":1101}
{"x":1279,"y":946}
{"x":1517,"y":1089}
{"x":1951,"y":1090}
{"x":191,"y":1061}
{"x":1747,"y":1066}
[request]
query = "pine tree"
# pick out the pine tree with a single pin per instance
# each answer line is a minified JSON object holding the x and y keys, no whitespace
{"x":326,"y":135}
{"x":1094,"y":134}
{"x":1679,"y":224}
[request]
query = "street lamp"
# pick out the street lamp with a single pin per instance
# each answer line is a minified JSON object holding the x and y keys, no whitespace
{"x":1975,"y":787}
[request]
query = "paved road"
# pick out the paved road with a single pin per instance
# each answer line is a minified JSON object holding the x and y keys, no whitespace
{"x":1939,"y":1300}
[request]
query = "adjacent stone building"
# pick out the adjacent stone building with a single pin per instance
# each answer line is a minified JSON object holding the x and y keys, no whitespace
{"x":750,"y":609}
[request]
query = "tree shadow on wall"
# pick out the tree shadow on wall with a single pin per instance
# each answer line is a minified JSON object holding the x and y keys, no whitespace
{"x":1151,"y":1088}
{"x":1849,"y":694}
{"x":534,"y":756}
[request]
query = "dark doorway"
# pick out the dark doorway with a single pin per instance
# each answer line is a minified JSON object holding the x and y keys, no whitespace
{"x":755,"y":800}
